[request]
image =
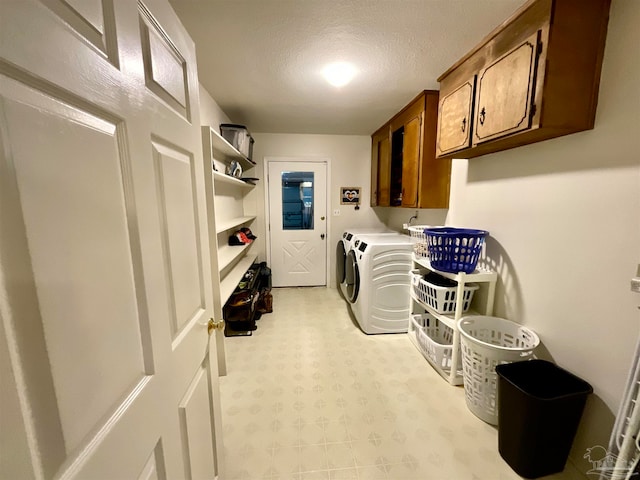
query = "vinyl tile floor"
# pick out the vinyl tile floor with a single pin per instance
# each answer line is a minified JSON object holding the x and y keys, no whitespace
{"x":310,"y":397}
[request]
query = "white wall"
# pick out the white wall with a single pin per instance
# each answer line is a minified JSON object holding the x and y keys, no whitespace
{"x":210,"y":112}
{"x":564,"y":218}
{"x":349,"y":157}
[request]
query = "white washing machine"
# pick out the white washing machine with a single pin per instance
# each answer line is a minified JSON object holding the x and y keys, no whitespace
{"x":344,"y":246}
{"x":378,"y":282}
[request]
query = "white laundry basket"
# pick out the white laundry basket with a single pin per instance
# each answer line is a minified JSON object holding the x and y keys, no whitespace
{"x":486,"y":342}
{"x":435,"y":340}
{"x":419,"y":238}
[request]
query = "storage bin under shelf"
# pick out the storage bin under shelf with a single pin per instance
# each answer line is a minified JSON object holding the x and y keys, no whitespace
{"x":449,"y":319}
{"x":439,"y":355}
{"x":435,"y":340}
{"x":441,"y":299}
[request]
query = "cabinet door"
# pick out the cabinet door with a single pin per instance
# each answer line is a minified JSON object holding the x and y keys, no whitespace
{"x":454,"y":119}
{"x":411,"y":161}
{"x":504,"y":93}
{"x":380,"y":167}
{"x":375,"y":153}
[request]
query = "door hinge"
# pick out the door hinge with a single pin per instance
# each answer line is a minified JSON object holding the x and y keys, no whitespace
{"x":533,"y":110}
{"x":539,"y":51}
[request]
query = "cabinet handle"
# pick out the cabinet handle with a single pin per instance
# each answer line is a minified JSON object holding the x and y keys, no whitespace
{"x":481,"y":117}
{"x":464,"y":124}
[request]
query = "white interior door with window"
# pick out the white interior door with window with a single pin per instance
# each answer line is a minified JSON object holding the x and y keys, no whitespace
{"x":107,"y":370}
{"x":297,"y":198}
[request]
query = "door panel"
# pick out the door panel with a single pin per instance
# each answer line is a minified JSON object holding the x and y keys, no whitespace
{"x":172,"y":92}
{"x":181,"y":245}
{"x":196,"y":421}
{"x":384,"y":172}
{"x":61,"y":224}
{"x":380,"y":168}
{"x":454,"y":124}
{"x":93,"y":20}
{"x":105,"y":287}
{"x":411,"y":162}
{"x":298,"y":247}
{"x":154,"y":468}
{"x":505,"y":90}
{"x":165,"y":68}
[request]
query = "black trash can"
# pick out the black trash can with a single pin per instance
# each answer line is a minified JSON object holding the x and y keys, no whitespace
{"x":539,"y":409}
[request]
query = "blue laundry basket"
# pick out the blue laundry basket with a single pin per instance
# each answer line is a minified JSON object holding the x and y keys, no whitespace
{"x":454,"y":250}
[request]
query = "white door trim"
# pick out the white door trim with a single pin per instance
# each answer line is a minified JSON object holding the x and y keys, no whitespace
{"x":267,"y":208}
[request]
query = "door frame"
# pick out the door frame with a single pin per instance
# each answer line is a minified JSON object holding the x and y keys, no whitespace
{"x":267,"y":205}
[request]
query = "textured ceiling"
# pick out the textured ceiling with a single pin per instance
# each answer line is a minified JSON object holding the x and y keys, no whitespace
{"x":261,"y":60}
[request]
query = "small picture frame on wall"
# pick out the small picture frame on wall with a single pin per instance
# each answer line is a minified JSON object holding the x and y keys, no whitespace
{"x":350,"y":195}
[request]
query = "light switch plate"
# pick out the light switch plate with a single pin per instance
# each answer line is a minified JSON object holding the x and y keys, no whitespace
{"x":336,"y":212}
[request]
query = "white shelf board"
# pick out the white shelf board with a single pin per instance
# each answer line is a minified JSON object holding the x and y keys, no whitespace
{"x":232,"y":223}
{"x":219,"y":177}
{"x":219,"y":144}
{"x":228,"y":253}
{"x":229,"y":283}
{"x":478,"y":275}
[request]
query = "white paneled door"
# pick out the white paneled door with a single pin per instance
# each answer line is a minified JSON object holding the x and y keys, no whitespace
{"x":107,"y":370}
{"x":297,"y":222}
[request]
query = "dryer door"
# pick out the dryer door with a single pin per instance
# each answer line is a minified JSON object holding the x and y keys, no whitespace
{"x":341,"y":259}
{"x":352,"y":277}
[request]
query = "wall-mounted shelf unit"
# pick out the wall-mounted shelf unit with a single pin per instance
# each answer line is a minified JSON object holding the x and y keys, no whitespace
{"x":226,"y":214}
{"x":452,"y":375}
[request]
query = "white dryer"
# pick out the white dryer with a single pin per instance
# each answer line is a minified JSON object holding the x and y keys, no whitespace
{"x":378,"y":282}
{"x":344,"y":246}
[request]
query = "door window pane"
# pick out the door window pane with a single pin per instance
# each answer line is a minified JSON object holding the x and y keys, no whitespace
{"x":297,"y":200}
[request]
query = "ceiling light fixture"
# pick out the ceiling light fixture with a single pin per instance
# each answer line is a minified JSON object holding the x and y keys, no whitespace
{"x":339,"y":74}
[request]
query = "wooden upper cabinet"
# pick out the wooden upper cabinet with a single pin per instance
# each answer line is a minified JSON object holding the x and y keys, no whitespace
{"x":405,"y":170}
{"x":504,"y":94}
{"x":380,"y":167}
{"x":454,"y":118}
{"x":537,"y":77}
{"x":411,"y":162}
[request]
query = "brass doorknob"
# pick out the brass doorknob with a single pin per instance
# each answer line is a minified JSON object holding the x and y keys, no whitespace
{"x":213,"y":325}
